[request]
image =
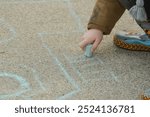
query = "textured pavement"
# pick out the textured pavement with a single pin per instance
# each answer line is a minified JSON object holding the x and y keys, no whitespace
{"x":40,"y":57}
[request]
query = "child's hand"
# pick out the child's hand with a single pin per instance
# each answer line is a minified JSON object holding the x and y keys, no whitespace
{"x":92,"y":36}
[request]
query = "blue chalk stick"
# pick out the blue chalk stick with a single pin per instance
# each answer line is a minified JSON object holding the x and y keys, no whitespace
{"x":88,"y":52}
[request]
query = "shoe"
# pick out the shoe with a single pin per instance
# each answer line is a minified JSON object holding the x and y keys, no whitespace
{"x":132,"y":41}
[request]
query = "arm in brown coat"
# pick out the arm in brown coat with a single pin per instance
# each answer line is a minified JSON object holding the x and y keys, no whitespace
{"x":105,"y":15}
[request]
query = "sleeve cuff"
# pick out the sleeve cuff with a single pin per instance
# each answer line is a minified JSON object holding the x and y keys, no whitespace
{"x":105,"y":30}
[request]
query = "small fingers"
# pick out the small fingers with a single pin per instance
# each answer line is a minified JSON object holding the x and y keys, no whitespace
{"x":84,"y":43}
{"x":95,"y":44}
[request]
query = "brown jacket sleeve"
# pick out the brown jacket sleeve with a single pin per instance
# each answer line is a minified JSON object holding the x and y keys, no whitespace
{"x":105,"y":15}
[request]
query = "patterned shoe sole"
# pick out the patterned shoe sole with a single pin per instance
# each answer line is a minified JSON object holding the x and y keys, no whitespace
{"x":134,"y":47}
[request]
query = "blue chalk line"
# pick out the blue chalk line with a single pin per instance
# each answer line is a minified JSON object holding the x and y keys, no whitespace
{"x":23,"y":84}
{"x":76,"y":70}
{"x":36,"y":76}
{"x":66,"y":74}
{"x":75,"y":16}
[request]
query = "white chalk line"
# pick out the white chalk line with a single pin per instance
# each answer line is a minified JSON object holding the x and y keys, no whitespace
{"x":85,"y":66}
{"x":75,"y":16}
{"x":74,"y":68}
{"x":91,"y":64}
{"x":67,"y":76}
{"x":23,"y":84}
{"x":71,"y":94}
{"x":36,"y":78}
{"x":114,"y":76}
{"x":69,"y":6}
{"x":82,"y":59}
{"x":88,"y":60}
{"x":61,"y":67}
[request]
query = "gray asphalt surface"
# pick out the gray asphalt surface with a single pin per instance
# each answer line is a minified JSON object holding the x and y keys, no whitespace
{"x":40,"y":57}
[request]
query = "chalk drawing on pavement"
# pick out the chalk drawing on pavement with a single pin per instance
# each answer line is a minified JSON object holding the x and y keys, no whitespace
{"x":87,"y":67}
{"x":67,"y":75}
{"x":24,"y":85}
{"x":21,"y":76}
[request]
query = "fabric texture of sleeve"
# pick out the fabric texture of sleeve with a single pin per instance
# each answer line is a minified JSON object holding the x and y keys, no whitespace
{"x":105,"y":15}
